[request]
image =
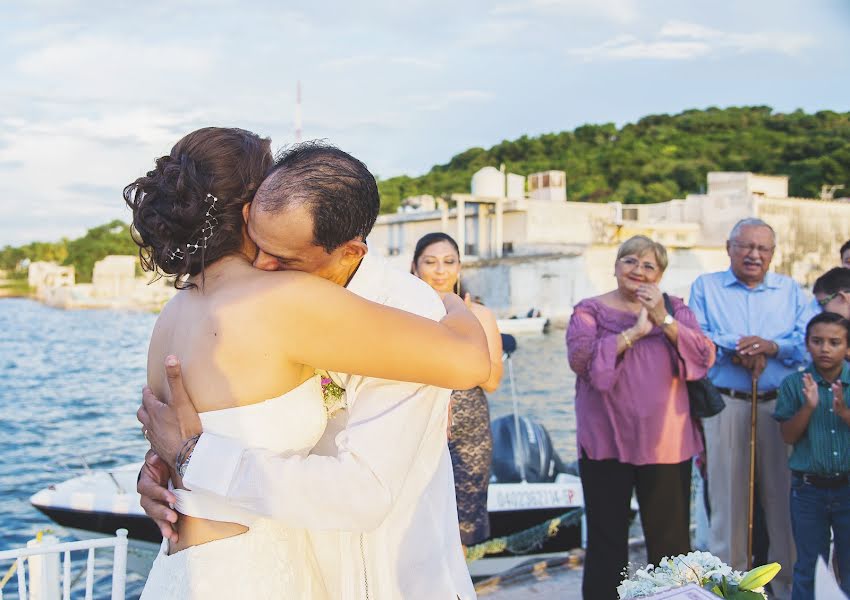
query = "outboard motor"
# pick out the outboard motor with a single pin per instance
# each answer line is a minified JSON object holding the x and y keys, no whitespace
{"x":525,"y":454}
{"x":522,"y":449}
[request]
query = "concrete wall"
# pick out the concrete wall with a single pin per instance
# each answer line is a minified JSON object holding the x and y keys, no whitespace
{"x":114,"y":276}
{"x":809,"y":234}
{"x":563,"y":222}
{"x":717,"y":214}
{"x":723,"y":182}
{"x":42,"y":274}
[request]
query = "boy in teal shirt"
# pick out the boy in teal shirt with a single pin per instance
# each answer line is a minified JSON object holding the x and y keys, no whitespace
{"x":815,"y":418}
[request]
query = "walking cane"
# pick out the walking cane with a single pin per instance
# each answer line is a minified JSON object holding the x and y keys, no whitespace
{"x":752,"y":496}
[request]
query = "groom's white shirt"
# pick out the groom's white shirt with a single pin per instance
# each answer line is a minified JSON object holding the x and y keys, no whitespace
{"x":380,"y":506}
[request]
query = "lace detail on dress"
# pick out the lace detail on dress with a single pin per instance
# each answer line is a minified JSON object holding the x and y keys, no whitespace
{"x":471,"y":448}
{"x":268,"y":562}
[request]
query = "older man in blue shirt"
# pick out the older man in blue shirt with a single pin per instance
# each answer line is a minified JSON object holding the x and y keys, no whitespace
{"x":757,"y":320}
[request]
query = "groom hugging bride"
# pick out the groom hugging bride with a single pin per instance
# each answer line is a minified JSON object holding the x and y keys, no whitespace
{"x":267,"y":495}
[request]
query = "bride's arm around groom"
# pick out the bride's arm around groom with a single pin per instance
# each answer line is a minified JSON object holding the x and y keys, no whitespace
{"x":382,"y":507}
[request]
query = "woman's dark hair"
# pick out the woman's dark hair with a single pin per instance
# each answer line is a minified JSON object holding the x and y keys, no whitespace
{"x":432,"y":238}
{"x":172,"y":204}
{"x":828,"y":317}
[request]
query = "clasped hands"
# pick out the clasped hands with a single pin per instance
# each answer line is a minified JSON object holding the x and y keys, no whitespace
{"x":652,"y":311}
{"x":752,"y":353}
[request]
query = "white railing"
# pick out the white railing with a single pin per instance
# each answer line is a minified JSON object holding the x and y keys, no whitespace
{"x":43,"y":570}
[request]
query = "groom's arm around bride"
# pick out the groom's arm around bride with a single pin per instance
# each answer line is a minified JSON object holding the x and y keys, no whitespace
{"x":381,"y":511}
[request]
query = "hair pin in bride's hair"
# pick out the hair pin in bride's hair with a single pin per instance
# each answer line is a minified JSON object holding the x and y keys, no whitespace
{"x":208,"y":228}
{"x":176,"y":255}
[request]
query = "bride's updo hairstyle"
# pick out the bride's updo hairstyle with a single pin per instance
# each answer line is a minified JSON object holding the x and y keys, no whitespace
{"x":187,"y":212}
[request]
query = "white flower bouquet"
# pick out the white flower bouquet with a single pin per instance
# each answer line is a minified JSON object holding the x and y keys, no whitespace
{"x":700,"y":568}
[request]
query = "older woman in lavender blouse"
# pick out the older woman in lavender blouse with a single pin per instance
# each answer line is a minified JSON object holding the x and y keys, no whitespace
{"x":635,"y":431}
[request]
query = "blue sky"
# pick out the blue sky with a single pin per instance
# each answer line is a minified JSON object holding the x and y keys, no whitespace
{"x":92,"y":91}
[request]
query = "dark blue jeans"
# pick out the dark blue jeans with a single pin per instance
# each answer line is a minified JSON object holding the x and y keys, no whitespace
{"x":814,"y":511}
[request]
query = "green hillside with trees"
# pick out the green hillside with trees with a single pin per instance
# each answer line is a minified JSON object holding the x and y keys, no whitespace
{"x":660,"y":157}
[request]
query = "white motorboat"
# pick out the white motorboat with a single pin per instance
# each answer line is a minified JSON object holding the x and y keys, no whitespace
{"x":97,"y":503}
{"x":522,"y":325}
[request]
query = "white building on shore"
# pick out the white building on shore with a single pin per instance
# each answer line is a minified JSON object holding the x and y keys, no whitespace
{"x":539,"y":250}
{"x":115,"y":284}
{"x":44,"y":274}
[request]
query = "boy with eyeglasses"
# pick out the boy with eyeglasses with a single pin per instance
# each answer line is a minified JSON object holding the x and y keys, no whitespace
{"x":844,"y":254}
{"x":832,"y":291}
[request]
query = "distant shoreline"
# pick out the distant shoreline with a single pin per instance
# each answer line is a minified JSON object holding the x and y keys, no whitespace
{"x":12,"y":289}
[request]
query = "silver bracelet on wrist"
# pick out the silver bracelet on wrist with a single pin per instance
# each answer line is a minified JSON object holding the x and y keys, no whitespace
{"x":181,"y":463}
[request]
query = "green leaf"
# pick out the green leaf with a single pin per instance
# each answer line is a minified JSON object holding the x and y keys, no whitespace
{"x":745,"y":595}
{"x":716,"y":591}
{"x":760,"y":576}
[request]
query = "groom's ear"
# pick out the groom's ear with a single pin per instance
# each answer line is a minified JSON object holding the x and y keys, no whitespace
{"x":353,"y":251}
{"x":246,"y":210}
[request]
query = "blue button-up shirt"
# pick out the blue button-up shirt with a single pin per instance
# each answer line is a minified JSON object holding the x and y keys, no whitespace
{"x":824,"y":448}
{"x":776,"y":310}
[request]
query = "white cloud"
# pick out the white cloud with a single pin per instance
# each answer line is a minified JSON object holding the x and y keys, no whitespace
{"x":73,"y":172}
{"x":495,"y":32}
{"x":412,"y":61}
{"x":110,"y":67}
{"x":680,"y":40}
{"x":348,"y":62}
{"x":374,"y":60}
{"x":683,"y":29}
{"x":618,"y":11}
{"x":628,"y":47}
{"x":442,"y":100}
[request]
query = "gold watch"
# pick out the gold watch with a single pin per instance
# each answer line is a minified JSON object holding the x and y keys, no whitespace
{"x":668,"y":320}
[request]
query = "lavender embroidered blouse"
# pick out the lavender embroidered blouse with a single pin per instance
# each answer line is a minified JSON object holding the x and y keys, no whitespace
{"x":634,"y":407}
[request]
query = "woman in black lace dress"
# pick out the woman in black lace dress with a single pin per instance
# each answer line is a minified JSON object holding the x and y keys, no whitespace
{"x":436,"y":261}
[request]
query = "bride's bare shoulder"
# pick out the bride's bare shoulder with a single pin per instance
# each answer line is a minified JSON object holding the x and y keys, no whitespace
{"x":283,"y":282}
{"x":280,"y":288}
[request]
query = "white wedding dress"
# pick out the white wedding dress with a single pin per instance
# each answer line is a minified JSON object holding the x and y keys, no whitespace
{"x":268,"y":561}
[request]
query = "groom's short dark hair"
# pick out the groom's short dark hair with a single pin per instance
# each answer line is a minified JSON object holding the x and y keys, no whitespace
{"x":339,"y":190}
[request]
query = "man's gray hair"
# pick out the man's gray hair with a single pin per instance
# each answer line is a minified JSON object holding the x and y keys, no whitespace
{"x":750,"y":222}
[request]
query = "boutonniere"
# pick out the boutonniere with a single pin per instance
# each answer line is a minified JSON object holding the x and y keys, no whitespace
{"x":332,"y":393}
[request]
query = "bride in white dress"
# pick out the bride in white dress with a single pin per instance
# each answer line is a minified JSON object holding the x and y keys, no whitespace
{"x":249,"y":342}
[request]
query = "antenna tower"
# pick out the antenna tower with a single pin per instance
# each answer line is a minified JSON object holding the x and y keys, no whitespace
{"x":298,"y":113}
